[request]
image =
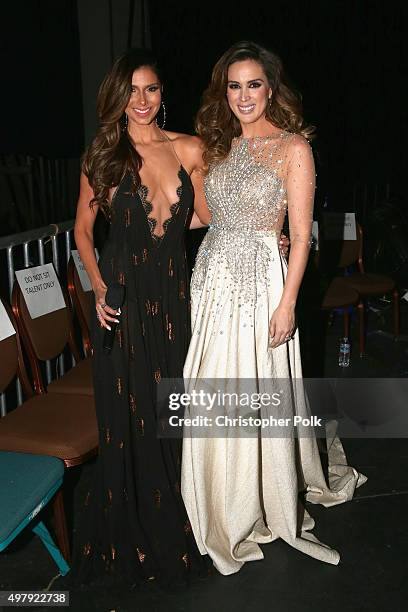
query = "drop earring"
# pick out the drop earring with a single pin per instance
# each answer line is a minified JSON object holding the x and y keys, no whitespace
{"x":125,"y":122}
{"x":164,"y":116}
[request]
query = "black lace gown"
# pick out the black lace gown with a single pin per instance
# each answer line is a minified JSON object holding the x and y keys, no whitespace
{"x":134,"y":524}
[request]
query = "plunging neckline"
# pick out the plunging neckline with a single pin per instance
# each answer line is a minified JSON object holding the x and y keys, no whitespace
{"x":143,"y":192}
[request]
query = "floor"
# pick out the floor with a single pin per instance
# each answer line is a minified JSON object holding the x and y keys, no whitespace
{"x":370,"y":532}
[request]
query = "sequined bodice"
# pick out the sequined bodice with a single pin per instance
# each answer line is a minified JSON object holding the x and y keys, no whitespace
{"x":248,"y":194}
{"x":247,"y":190}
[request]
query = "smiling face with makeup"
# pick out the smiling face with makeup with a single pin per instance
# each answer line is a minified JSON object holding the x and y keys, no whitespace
{"x":145,"y":99}
{"x":248,"y":93}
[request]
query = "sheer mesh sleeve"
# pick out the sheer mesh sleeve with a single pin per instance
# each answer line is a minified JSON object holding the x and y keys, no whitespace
{"x":271,"y":151}
{"x":300,"y":186}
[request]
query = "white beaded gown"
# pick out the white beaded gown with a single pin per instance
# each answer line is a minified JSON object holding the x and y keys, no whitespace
{"x":240,"y":492}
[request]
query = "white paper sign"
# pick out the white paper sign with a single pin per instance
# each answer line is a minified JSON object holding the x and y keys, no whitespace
{"x":6,"y":327}
{"x":315,"y":236}
{"x":83,"y":276}
{"x":41,"y":290}
{"x":340,"y":226}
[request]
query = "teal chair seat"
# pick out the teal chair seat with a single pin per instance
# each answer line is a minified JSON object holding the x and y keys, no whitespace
{"x":27,"y":483}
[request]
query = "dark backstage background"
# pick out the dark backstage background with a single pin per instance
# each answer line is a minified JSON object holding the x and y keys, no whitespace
{"x":349,"y":61}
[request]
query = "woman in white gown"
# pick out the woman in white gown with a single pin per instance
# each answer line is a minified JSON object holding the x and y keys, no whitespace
{"x":241,"y":491}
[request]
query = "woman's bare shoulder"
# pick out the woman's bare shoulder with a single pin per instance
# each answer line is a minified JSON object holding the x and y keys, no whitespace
{"x":189,"y":148}
{"x":184,"y":140}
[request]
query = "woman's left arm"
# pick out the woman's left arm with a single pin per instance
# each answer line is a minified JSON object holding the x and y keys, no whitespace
{"x":301,"y":180}
{"x":300,"y":194}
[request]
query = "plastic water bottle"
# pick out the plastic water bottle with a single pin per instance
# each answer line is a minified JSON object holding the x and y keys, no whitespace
{"x":344,"y":352}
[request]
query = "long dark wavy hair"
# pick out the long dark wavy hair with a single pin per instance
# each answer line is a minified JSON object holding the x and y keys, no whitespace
{"x":111,"y":152}
{"x":217,"y":124}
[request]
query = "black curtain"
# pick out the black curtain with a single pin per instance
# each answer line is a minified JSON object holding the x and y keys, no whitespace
{"x":41,"y":101}
{"x":347,"y":58}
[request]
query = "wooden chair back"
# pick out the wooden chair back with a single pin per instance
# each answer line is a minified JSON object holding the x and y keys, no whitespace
{"x":12,"y":361}
{"x":334,"y":254}
{"x":44,"y":337}
{"x":83,"y":302}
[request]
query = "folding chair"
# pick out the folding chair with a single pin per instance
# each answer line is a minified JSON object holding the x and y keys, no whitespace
{"x":54,"y":424}
{"x":83,"y":302}
{"x":350,"y":252}
{"x":339,"y":295}
{"x":27,"y":484}
{"x":46,"y":337}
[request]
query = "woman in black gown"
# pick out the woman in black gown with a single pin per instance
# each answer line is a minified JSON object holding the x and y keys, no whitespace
{"x":135,"y":526}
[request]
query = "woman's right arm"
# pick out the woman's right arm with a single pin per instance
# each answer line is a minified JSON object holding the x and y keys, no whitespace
{"x":193,"y":154}
{"x":84,"y":223}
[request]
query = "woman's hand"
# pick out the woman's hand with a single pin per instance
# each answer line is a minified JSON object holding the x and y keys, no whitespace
{"x":281,"y":326}
{"x":284,"y":243}
{"x":103,"y":312}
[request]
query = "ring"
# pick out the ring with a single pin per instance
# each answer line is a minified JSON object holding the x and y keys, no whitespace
{"x":102,"y":305}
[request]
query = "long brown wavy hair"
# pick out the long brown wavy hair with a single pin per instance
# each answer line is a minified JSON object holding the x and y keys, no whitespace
{"x":111,"y":152}
{"x":217,"y":124}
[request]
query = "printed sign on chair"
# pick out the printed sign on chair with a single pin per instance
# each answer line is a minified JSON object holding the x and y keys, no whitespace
{"x":339,"y":226}
{"x":6,"y":327}
{"x":41,"y":290}
{"x":80,"y":268}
